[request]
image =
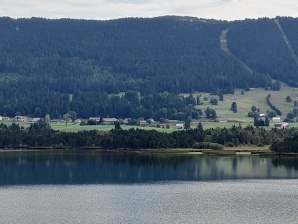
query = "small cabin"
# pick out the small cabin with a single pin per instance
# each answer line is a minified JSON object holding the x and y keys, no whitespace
{"x":20,"y":118}
{"x":142,"y":122}
{"x":276,"y":119}
{"x":109,"y":120}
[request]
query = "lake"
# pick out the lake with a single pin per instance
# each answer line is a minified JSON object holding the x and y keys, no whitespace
{"x":102,"y":187}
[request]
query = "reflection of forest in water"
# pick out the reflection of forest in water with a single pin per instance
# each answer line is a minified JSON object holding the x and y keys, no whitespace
{"x":80,"y":167}
{"x":288,"y":163}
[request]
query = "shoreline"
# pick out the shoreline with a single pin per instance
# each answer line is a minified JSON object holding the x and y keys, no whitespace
{"x":241,"y":150}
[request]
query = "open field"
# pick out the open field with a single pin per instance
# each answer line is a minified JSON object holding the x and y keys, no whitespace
{"x":76,"y":128}
{"x":244,"y":102}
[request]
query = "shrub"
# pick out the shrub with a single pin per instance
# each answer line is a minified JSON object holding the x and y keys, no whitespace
{"x":230,"y":144}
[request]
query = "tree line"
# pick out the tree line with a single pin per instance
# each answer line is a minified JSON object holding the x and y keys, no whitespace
{"x":41,"y":135}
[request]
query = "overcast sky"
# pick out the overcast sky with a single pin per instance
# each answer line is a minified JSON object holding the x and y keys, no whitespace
{"x":111,"y":9}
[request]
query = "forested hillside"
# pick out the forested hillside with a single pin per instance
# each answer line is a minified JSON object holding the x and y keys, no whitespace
{"x":53,"y":66}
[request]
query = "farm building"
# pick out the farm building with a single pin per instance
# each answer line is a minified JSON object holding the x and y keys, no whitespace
{"x":20,"y":118}
{"x":94,"y":119}
{"x":282,"y":125}
{"x":276,"y":119}
{"x":142,"y":122}
{"x":179,"y":126}
{"x":109,"y":120}
{"x":36,"y":119}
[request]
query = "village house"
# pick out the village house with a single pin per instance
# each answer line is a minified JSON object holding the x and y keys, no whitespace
{"x":172,"y":121}
{"x":6,"y":118}
{"x":282,"y":125}
{"x":35,"y":120}
{"x":126,"y":120}
{"x":20,"y":118}
{"x":109,"y":120}
{"x":77,"y":121}
{"x":179,"y":126}
{"x":97,"y":119}
{"x":276,"y":119}
{"x":142,"y":122}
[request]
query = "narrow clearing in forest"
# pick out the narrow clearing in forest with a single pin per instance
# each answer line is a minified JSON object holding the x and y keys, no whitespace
{"x":287,"y":41}
{"x":224,"y":46}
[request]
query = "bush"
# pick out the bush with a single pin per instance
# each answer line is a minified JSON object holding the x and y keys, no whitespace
{"x":230,"y":144}
{"x":286,"y":120}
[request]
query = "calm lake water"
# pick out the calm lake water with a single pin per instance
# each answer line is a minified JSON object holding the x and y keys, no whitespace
{"x":93,"y":187}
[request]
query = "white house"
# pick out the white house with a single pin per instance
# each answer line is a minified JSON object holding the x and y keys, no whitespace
{"x":109,"y":120}
{"x":36,"y":119}
{"x":276,"y":119}
{"x":179,"y":126}
{"x":94,"y":119}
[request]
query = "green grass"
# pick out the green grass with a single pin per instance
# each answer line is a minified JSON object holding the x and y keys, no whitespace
{"x":76,"y":128}
{"x":244,"y":102}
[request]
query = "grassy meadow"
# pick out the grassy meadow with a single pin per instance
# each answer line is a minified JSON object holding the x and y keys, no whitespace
{"x":244,"y":102}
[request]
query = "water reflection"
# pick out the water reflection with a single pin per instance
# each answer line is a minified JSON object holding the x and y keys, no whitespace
{"x":23,"y":168}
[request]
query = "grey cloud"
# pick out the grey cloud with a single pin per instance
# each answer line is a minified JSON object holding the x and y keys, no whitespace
{"x":130,"y":1}
{"x":111,"y":9}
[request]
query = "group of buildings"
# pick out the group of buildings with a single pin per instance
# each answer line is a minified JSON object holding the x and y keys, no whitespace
{"x":109,"y":121}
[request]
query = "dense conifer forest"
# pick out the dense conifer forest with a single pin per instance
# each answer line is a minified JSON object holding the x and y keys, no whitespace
{"x":55,"y":66}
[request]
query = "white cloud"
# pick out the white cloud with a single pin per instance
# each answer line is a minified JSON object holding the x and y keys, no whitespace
{"x":110,"y":9}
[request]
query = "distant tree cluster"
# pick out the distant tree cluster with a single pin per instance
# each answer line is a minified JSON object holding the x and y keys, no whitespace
{"x":278,"y":112}
{"x":234,"y":107}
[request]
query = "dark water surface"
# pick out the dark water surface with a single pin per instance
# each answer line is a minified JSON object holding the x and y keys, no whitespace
{"x":94,"y":187}
{"x":80,"y":167}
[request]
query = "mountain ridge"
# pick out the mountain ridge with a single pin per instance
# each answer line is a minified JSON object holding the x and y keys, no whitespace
{"x":44,"y":60}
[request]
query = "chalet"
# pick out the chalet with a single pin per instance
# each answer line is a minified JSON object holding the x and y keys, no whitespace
{"x":109,"y":120}
{"x":282,"y":125}
{"x":179,"y":126}
{"x":142,"y":122}
{"x":20,"y":118}
{"x":151,"y":120}
{"x":6,"y":119}
{"x":77,"y":121}
{"x":276,"y":119}
{"x":36,"y":119}
{"x":172,"y":121}
{"x":126,"y":120}
{"x":97,"y":119}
